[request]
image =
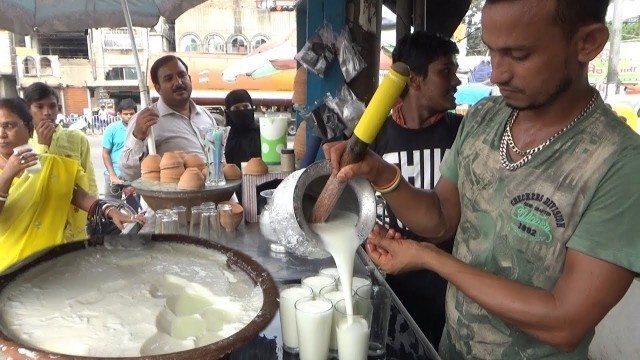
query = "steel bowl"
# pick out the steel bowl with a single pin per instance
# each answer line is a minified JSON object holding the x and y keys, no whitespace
{"x":11,"y":349}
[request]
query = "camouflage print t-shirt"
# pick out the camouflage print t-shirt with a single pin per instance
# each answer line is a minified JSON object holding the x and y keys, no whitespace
{"x":582,"y":191}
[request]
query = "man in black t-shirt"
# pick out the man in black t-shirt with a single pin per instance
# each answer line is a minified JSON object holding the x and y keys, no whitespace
{"x":415,"y":137}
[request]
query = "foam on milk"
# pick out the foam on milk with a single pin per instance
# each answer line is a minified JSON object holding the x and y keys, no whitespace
{"x":339,"y":237}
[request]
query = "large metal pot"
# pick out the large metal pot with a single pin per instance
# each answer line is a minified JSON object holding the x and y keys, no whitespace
{"x":13,"y":350}
{"x":293,"y":202}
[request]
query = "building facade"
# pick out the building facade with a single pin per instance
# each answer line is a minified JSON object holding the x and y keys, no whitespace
{"x":97,"y":67}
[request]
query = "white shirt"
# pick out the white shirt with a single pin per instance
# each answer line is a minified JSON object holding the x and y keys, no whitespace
{"x":172,"y":132}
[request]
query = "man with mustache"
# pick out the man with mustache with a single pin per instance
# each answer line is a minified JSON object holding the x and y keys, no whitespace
{"x":179,"y":124}
{"x":415,"y":137}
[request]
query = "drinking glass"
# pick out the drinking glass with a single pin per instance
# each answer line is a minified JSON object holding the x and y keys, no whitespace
{"x":224,"y":216}
{"x":331,"y":270}
{"x":379,"y":302}
{"x":334,"y":295}
{"x":181,"y":213}
{"x":352,"y":331}
{"x":289,"y":294}
{"x":209,"y":224}
{"x":314,"y":317}
{"x":194,"y":224}
{"x":170,"y":223}
{"x":317,"y":282}
{"x":159,"y":215}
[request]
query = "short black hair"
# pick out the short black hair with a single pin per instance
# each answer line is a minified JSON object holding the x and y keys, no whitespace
{"x":19,"y":107}
{"x":127,"y":103}
{"x":38,"y":91}
{"x":571,"y":14}
{"x":162,"y":62}
{"x":419,"y":49}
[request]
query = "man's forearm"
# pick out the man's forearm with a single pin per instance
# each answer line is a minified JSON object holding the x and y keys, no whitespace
{"x":108,"y":163}
{"x":560,"y":317}
{"x":423,"y":216}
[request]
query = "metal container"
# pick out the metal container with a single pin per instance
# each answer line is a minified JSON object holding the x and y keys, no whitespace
{"x":293,"y":202}
{"x":11,"y":349}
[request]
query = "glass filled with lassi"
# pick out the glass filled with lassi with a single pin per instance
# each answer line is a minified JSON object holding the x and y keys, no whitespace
{"x":289,"y":294}
{"x":314,"y":317}
{"x":352,"y":331}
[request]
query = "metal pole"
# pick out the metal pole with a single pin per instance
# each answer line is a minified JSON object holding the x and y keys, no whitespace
{"x":614,"y":49}
{"x":144,"y":94}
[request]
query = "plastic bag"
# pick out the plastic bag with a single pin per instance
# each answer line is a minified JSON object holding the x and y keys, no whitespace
{"x":324,"y":121}
{"x":348,"y":108}
{"x":351,"y":63}
{"x":319,"y":50}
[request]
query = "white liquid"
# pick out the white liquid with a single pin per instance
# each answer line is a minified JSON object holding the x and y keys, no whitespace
{"x":340,"y":239}
{"x":314,"y":319}
{"x":288,"y":298}
{"x":114,"y":303}
{"x":317,"y":282}
{"x":331,"y":272}
{"x":333,"y":296}
{"x":353,"y":338}
{"x":363,"y":286}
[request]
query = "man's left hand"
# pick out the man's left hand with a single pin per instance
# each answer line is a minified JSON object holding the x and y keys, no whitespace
{"x":394,"y":254}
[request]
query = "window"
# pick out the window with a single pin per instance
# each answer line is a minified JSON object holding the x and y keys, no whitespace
{"x":29,"y":67}
{"x":45,"y":66}
{"x":190,"y":43}
{"x":215,"y":44}
{"x":237,"y":45}
{"x":257,"y":41}
{"x":66,"y":45}
{"x":121,"y":73}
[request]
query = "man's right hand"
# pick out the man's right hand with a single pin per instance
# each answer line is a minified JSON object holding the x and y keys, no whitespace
{"x":144,"y":121}
{"x":114,"y":179}
{"x":45,"y":130}
{"x":372,"y":166}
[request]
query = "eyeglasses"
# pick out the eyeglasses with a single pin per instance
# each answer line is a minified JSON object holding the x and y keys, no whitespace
{"x":10,"y":126}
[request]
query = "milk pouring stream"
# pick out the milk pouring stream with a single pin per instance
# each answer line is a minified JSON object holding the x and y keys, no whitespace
{"x":340,"y":239}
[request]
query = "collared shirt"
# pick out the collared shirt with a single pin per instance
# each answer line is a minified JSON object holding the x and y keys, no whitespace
{"x":72,"y":144}
{"x":172,"y":132}
{"x":113,"y":139}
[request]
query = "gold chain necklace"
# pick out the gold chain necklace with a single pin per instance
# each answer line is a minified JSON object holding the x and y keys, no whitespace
{"x":508,"y":140}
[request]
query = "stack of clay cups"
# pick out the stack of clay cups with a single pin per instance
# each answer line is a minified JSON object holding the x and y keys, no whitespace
{"x":150,"y":168}
{"x":171,"y":168}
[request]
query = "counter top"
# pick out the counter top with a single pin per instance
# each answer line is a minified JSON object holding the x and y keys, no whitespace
{"x":404,"y":341}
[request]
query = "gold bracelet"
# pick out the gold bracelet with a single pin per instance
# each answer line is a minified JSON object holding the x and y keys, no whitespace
{"x":391,"y":186}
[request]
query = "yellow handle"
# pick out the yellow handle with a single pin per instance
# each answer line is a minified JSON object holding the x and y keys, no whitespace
{"x":383,"y":100}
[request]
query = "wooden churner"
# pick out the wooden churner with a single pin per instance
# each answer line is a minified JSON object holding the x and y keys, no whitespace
{"x":365,"y":132}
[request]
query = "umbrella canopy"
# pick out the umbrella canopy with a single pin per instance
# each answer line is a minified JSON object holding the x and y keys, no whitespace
{"x":47,"y":16}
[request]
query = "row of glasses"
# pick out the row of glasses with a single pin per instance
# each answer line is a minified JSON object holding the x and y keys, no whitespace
{"x":367,"y":324}
{"x":171,"y":221}
{"x":204,"y":221}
